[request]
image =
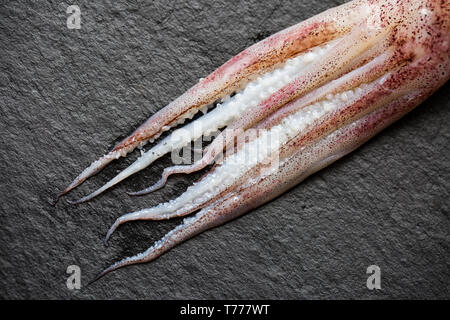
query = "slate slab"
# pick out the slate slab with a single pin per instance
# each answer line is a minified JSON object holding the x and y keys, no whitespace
{"x":67,"y":96}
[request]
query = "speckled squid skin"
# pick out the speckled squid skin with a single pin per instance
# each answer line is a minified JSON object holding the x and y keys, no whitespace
{"x":389,"y":57}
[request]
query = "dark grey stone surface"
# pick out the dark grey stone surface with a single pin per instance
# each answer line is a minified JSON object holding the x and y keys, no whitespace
{"x":67,"y":96}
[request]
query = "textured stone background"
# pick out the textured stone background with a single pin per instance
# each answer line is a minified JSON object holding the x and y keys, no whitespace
{"x":67,"y":96}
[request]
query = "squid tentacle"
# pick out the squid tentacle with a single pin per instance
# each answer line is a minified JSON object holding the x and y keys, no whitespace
{"x":303,"y":98}
{"x":365,"y":73}
{"x":315,"y":74}
{"x":262,"y":57}
{"x":237,"y":203}
{"x":328,"y":123}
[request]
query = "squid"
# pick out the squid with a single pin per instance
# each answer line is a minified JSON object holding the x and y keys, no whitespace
{"x":285,"y":108}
